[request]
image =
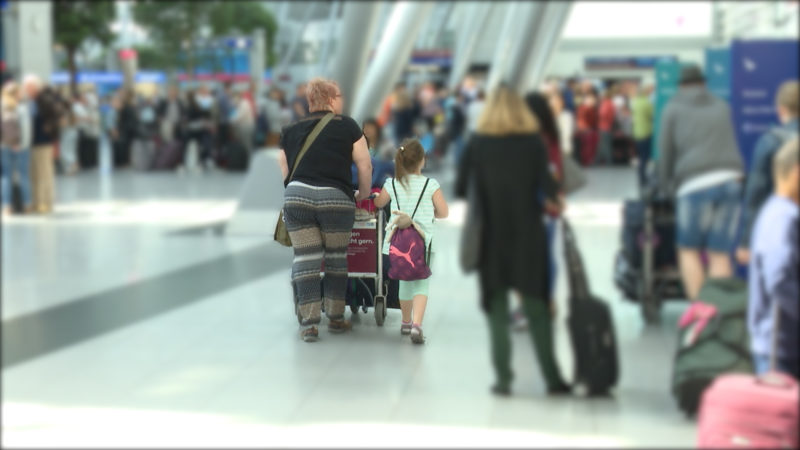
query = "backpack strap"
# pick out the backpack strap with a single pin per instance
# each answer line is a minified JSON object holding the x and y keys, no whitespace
{"x":421,"y":194}
{"x":396,"y":200}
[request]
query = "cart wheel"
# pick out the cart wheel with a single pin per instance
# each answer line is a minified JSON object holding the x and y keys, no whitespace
{"x":380,"y":310}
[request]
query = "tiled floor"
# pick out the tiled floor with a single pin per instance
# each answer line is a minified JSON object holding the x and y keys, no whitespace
{"x":225,"y":366}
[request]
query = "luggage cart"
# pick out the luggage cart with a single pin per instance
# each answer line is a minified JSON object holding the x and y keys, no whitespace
{"x":364,"y":262}
{"x":656,"y":284}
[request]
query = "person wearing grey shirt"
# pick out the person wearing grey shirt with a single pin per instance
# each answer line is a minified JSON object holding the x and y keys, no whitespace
{"x":701,"y":167}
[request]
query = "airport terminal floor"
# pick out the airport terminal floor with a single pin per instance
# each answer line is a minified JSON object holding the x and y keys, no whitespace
{"x":130,"y":320}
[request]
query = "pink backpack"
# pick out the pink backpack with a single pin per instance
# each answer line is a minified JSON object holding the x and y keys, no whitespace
{"x":408,"y":257}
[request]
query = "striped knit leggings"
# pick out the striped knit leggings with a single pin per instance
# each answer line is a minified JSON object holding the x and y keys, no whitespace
{"x":319,"y":221}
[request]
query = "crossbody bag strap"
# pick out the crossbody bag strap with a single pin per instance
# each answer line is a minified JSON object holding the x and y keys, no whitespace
{"x":310,"y":140}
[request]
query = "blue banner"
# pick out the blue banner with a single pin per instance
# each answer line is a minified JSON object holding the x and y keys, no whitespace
{"x":109,"y":78}
{"x":758,"y":70}
{"x":718,"y":72}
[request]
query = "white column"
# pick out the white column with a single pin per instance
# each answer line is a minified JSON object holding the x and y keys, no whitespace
{"x":553,"y":26}
{"x":359,"y":19}
{"x":34,"y":38}
{"x":325,"y":51}
{"x":391,"y":56}
{"x":509,"y":32}
{"x":465,"y":47}
{"x":522,"y":51}
{"x":258,"y":63}
{"x":286,"y":60}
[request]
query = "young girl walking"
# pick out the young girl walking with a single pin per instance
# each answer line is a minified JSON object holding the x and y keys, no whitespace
{"x":404,"y":191}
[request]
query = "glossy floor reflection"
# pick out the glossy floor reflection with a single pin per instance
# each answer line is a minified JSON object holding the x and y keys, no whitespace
{"x":190,"y":335}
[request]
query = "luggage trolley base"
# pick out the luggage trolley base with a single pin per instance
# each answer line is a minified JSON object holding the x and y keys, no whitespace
{"x":378,"y":300}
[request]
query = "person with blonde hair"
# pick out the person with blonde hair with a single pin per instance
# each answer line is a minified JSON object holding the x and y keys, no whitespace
{"x":16,"y":142}
{"x":319,"y":208}
{"x":506,"y":160}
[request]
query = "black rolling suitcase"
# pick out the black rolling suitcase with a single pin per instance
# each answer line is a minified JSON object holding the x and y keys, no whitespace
{"x":591,"y":327}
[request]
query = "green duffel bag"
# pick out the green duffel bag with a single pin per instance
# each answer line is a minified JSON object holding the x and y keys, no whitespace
{"x":723,"y":345}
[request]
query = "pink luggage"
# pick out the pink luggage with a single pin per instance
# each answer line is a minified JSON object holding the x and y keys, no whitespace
{"x":746,"y":411}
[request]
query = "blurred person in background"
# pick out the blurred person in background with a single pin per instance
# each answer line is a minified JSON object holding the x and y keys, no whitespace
{"x":17,"y":129}
{"x":429,"y":105}
{"x":760,"y":181}
{"x":700,"y":165}
{"x":773,"y":274}
{"x":225,"y":107}
{"x":272,"y":109}
{"x":199,"y":117}
{"x":474,"y":110}
{"x":642,"y":115}
{"x":319,"y":208}
{"x":171,"y":112}
{"x":47,"y":110}
{"x":456,"y":122}
{"x":127,"y":128}
{"x":68,"y":139}
{"x":87,"y":122}
{"x":403,"y":115}
{"x":507,"y":159}
{"x":242,"y":121}
{"x":379,"y":146}
{"x":147,"y":117}
{"x":587,"y":121}
{"x":606,"y":115}
{"x":299,"y":103}
{"x":565,"y":122}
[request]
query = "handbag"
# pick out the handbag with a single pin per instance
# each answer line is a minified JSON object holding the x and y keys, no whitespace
{"x":281,"y":233}
{"x":471,"y":234}
{"x":574,"y":178}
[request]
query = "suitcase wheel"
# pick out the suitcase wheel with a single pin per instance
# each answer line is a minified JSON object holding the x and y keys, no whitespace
{"x":380,"y":310}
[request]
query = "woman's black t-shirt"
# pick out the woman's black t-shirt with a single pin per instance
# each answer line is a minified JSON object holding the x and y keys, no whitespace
{"x":327,"y":162}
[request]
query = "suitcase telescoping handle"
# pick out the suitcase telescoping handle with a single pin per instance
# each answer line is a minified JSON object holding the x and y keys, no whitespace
{"x":579,"y":284}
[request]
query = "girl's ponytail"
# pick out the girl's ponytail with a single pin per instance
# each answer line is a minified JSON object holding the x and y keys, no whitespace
{"x":408,"y":158}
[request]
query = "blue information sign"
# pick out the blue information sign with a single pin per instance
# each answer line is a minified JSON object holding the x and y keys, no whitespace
{"x":758,"y":69}
{"x":718,"y":72}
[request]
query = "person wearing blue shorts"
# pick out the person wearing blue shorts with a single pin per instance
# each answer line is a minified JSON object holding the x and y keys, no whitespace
{"x":701,"y":166}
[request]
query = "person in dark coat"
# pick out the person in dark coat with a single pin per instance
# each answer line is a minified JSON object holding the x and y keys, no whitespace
{"x":507,"y":160}
{"x":127,"y":127}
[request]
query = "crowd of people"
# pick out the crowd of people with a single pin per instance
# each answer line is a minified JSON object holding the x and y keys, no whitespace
{"x":51,"y":130}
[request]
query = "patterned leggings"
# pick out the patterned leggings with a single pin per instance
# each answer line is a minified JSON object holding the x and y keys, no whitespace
{"x":319,"y":221}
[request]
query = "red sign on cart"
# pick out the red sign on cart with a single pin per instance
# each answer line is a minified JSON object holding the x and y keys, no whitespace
{"x":362,"y":253}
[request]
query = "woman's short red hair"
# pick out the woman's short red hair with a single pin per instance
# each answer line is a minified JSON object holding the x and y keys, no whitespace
{"x":320,"y":92}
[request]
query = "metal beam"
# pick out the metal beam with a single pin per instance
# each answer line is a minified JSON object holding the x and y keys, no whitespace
{"x":296,"y":39}
{"x":391,"y":56}
{"x":479,"y":17}
{"x":326,"y":43}
{"x":359,"y":19}
{"x":523,"y":50}
{"x":510,"y":32}
{"x":555,"y":19}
